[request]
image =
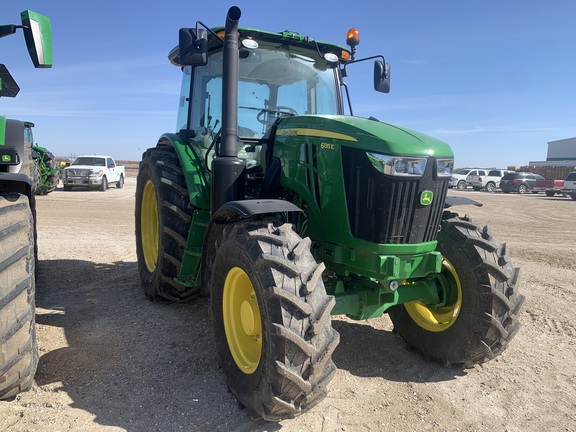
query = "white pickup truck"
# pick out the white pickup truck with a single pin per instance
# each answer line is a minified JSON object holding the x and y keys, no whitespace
{"x":96,"y":172}
{"x":569,"y":187}
{"x":489,"y":180}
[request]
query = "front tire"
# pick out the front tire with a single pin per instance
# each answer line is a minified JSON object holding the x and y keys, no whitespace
{"x":104,"y":184}
{"x":271,"y":320}
{"x":163,"y":216}
{"x":19,"y":354}
{"x":461,"y":185}
{"x":480,"y":317}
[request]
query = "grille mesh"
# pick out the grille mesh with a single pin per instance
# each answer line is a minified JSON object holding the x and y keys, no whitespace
{"x":386,"y":209}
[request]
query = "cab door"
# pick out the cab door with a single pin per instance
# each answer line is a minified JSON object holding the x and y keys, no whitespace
{"x":111,"y":165}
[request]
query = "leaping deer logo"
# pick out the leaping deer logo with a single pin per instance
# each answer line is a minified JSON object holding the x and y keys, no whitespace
{"x":426,"y":197}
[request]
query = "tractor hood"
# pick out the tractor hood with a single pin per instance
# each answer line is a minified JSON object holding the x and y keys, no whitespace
{"x":368,"y":134}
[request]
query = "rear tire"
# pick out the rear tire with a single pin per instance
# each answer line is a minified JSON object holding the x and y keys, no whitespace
{"x":67,"y":188}
{"x":120,"y":182}
{"x":480,"y":324}
{"x":271,"y":320}
{"x":19,"y":354}
{"x":52,"y":180}
{"x":522,"y":189}
{"x":550,"y":194}
{"x":163,"y":218}
{"x":490,"y":187}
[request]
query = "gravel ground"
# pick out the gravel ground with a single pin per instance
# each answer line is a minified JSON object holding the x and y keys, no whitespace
{"x":113,"y":361}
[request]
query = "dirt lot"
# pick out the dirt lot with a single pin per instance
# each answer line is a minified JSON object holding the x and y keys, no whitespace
{"x":113,"y":361}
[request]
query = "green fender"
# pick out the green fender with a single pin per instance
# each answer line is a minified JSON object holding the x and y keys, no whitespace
{"x":199,"y":195}
{"x":193,"y":167}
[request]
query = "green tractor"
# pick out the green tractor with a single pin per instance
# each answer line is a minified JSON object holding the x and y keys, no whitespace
{"x":285,"y":211}
{"x":18,"y":177}
{"x":48,"y":170}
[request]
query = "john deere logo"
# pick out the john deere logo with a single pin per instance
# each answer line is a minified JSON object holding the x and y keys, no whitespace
{"x":6,"y":158}
{"x":426,"y":197}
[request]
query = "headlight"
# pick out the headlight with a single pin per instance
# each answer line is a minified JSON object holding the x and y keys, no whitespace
{"x":444,"y":167}
{"x":96,"y":173}
{"x":398,"y":165}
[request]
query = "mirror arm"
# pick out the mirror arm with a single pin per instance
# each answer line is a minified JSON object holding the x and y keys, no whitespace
{"x":10,"y":29}
{"x":207,"y":29}
{"x":368,"y":58}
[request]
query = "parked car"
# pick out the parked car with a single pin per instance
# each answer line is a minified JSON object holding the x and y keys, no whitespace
{"x":489,"y":180}
{"x":569,"y":187}
{"x":551,"y":187}
{"x":458,"y":179}
{"x":522,"y":182}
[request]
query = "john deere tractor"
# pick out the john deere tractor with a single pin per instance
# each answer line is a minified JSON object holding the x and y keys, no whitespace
{"x":48,"y":170}
{"x":285,"y":211}
{"x":18,"y":177}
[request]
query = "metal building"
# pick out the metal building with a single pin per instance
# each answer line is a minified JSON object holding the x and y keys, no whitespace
{"x":561,"y":150}
{"x":560,"y":160}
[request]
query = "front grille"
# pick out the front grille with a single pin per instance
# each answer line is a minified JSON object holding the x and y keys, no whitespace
{"x":76,"y":172}
{"x":386,"y":209}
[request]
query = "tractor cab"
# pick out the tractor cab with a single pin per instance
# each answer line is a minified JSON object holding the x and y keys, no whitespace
{"x":279,"y":75}
{"x":275,"y":80}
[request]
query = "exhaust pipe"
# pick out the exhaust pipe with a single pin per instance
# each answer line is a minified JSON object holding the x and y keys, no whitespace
{"x":228,"y":171}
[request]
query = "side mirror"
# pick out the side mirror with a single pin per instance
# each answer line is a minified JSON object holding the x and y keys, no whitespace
{"x":381,"y":76}
{"x":38,"y":35}
{"x":192,"y":47}
{"x":8,"y":87}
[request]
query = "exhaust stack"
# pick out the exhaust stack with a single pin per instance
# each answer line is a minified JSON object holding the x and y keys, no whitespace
{"x":228,"y":171}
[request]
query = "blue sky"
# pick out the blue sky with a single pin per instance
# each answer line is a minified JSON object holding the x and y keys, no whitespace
{"x":494,"y":79}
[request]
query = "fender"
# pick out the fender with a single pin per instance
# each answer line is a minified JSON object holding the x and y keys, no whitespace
{"x":452,"y":201}
{"x":230,"y":213}
{"x":19,"y":183}
{"x":193,"y":167}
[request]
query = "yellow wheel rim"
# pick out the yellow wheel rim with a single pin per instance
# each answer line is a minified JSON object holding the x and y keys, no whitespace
{"x":149,"y":226}
{"x":242,"y":322}
{"x":438,"y":320}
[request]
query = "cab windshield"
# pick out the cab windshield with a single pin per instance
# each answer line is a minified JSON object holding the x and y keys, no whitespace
{"x":273,"y":82}
{"x":97,"y":161}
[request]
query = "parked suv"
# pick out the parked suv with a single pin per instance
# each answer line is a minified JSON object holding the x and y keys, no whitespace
{"x":523,"y":182}
{"x":488,"y":180}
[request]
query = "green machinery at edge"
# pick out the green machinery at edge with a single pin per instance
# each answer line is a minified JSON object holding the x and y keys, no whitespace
{"x":285,"y":211}
{"x":18,"y":251}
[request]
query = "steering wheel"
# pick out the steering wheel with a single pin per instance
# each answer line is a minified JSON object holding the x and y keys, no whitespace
{"x":276,"y":111}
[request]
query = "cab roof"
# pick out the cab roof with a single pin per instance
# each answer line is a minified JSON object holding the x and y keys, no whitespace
{"x":287,"y":37}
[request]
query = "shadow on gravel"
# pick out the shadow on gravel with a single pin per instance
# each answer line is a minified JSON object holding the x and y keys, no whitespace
{"x":149,"y":366}
{"x":370,"y":352}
